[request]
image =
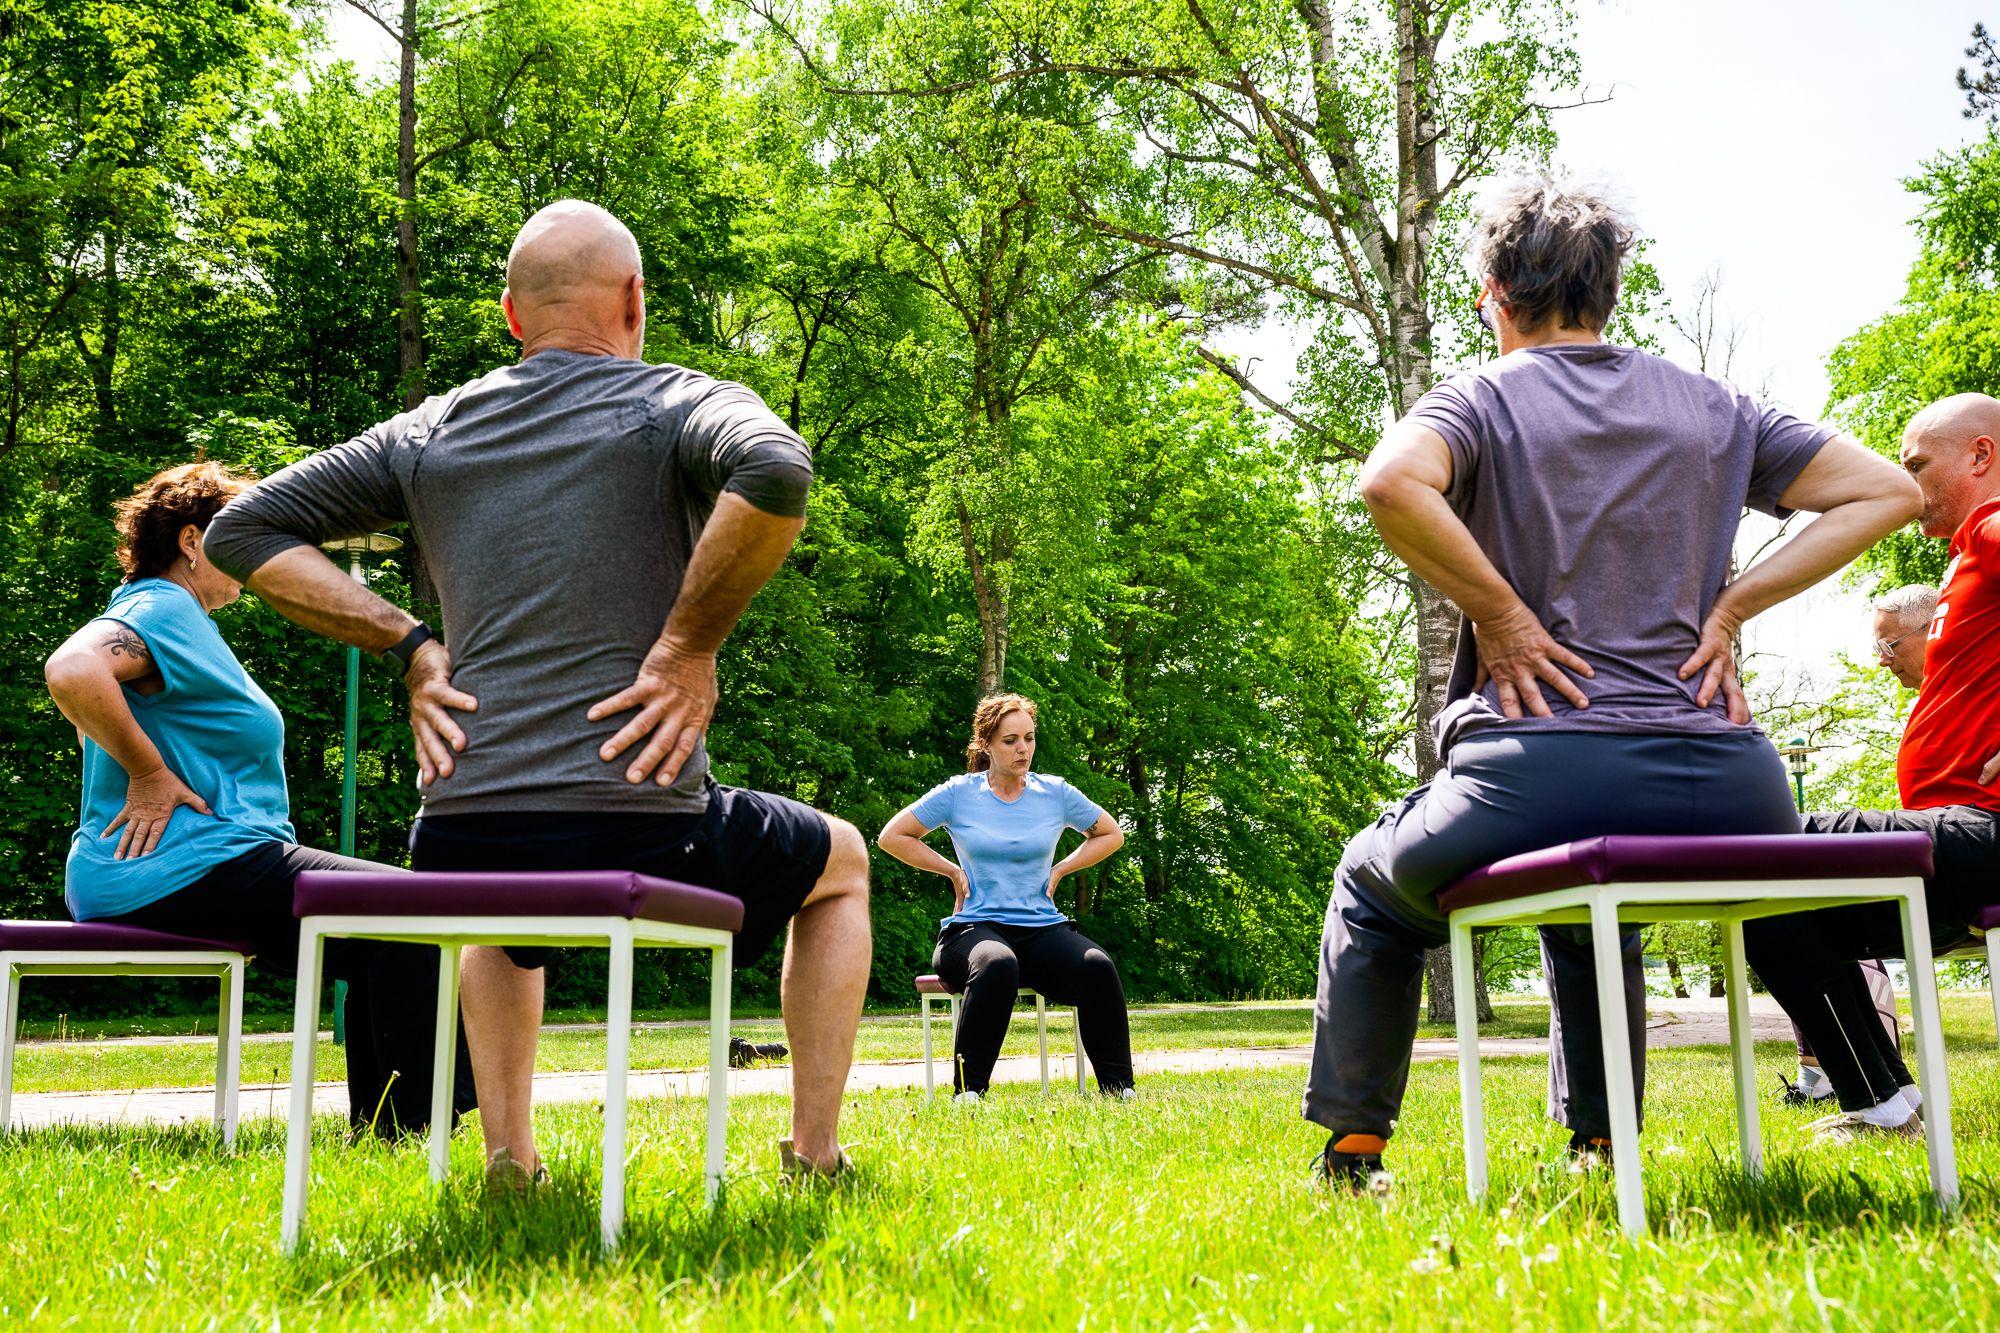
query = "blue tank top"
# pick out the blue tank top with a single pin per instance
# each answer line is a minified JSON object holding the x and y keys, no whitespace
{"x":1006,"y":848}
{"x":217,"y":731}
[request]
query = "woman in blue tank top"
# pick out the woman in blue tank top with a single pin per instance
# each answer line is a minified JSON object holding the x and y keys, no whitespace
{"x":185,"y":824}
{"x":1005,"y":930}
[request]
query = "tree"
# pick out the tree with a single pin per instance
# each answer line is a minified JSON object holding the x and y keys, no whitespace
{"x":1941,"y":338}
{"x":469,"y":105}
{"x":955,"y":170}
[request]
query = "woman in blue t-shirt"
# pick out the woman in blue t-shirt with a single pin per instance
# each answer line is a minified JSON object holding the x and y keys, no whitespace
{"x":1005,"y":930}
{"x":186,"y":822}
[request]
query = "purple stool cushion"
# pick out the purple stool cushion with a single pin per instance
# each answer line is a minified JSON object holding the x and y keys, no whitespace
{"x":103,"y":937}
{"x":1988,"y":918}
{"x":932,"y":984}
{"x":1642,"y":860}
{"x":516,"y":893}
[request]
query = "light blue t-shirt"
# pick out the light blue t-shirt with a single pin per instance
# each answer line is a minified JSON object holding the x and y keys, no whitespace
{"x":217,"y":731}
{"x":1006,"y":848}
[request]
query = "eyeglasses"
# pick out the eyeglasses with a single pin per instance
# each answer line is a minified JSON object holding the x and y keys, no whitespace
{"x":1485,"y":315}
{"x":1886,"y":648}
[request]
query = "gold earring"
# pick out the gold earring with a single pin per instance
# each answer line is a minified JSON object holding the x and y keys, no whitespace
{"x":190,"y":563}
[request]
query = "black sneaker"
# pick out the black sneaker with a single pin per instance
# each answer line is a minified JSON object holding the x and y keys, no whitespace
{"x":1359,"y":1173}
{"x":1588,"y":1154}
{"x":743,"y":1054}
{"x":1795,"y":1095}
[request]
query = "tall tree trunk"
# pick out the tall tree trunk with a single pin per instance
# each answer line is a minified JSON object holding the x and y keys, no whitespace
{"x":409,"y":290}
{"x":1674,"y":975}
{"x":990,"y":597}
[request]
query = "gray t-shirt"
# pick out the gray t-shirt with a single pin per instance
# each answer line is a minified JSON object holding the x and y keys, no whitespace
{"x":557,"y":503}
{"x":1606,"y":485}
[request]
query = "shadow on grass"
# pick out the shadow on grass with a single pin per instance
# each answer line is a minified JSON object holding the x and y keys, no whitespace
{"x":182,"y":1142}
{"x":1812,"y":1193}
{"x":763,"y":1228}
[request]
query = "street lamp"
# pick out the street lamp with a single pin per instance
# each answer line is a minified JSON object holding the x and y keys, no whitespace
{"x":373,"y":543}
{"x":1795,"y":751}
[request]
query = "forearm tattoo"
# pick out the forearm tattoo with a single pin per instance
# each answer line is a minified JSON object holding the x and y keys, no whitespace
{"x":122,"y":642}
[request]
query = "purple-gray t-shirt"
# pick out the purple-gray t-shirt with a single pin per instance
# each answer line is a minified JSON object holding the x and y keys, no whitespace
{"x":1606,"y":485}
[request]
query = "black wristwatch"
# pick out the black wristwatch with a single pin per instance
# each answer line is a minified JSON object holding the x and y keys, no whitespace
{"x":405,"y":652}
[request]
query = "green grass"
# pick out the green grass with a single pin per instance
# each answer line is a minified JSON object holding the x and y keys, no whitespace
{"x":1187,"y":1209}
{"x":85,"y":1066}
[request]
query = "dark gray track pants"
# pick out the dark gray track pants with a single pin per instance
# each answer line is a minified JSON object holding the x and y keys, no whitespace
{"x":1502,"y":794}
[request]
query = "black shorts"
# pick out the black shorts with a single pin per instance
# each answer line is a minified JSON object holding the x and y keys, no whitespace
{"x":767,"y":850}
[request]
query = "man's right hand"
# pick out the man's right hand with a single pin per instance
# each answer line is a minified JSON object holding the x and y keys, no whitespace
{"x":150,"y":801}
{"x":1519,"y":656}
{"x":432,"y":698}
{"x":675,"y":695}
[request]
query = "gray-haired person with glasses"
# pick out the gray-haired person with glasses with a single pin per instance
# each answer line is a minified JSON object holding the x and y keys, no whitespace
{"x":1902,"y":620}
{"x":1902,"y":624}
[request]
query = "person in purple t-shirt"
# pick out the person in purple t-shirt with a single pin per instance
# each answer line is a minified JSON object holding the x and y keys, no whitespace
{"x":1005,"y":930}
{"x":1578,"y":502}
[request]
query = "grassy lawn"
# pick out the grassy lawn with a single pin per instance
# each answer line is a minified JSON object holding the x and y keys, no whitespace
{"x":1187,"y":1209}
{"x":88,"y":1066}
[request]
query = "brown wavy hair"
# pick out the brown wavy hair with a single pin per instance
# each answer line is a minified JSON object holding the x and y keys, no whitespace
{"x":150,"y":519}
{"x":986,"y":721}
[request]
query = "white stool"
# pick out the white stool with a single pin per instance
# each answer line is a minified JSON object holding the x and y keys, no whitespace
{"x":104,"y":949}
{"x":931,"y":986}
{"x":613,"y":909}
{"x":1606,"y":882}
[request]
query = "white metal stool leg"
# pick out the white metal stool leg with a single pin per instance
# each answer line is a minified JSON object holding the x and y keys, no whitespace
{"x":1472,"y":1107}
{"x":1082,"y":1060}
{"x":617,"y":1063}
{"x":1924,"y":1019}
{"x":930,"y":1076}
{"x":229,"y":1051}
{"x":719,"y":962}
{"x":1618,"y":1071}
{"x":1042,"y":1037}
{"x":1742,"y":1050}
{"x":298,"y":1128}
{"x":1993,"y":975}
{"x":10,"y":1018}
{"x":444,"y":1060}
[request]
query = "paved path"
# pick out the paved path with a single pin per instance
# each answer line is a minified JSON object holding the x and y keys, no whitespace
{"x":1669,"y":1023}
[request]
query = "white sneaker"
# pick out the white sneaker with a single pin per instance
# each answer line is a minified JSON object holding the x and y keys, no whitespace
{"x":968,"y":1098}
{"x":1128,"y":1093}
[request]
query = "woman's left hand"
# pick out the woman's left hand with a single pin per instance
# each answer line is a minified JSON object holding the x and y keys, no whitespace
{"x":1055,"y":878}
{"x":1715,"y":658}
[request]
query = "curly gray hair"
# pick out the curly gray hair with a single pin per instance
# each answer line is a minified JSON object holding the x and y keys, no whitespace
{"x":1556,"y":252}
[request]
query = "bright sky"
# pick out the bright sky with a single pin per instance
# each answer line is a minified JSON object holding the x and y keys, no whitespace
{"x":1770,"y":140}
{"x":1766,"y":140}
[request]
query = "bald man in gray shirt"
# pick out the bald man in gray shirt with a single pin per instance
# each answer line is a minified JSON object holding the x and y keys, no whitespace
{"x":596,"y":525}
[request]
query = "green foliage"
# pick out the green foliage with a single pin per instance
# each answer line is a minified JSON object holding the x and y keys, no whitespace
{"x":1942,"y":338}
{"x":1182,"y":591}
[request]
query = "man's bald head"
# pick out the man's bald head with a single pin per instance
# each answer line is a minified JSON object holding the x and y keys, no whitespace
{"x":573,"y":281}
{"x":1950,"y":448}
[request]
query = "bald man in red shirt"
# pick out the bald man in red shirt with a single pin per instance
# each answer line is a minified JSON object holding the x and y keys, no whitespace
{"x":1948,"y":771}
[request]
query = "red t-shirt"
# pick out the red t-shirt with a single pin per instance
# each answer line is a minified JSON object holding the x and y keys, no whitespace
{"x":1955,"y":727}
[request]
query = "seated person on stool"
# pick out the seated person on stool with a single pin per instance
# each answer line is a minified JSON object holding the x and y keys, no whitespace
{"x":1945,"y":769}
{"x":596,"y":524}
{"x":1902,"y":620}
{"x":1005,"y":930}
{"x":186,"y":823}
{"x":1579,"y":503}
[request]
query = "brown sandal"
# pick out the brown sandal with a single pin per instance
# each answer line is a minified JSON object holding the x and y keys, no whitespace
{"x":796,"y":1168}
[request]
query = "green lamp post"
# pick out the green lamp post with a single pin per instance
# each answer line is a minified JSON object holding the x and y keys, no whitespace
{"x":373,"y":543}
{"x":1795,"y":751}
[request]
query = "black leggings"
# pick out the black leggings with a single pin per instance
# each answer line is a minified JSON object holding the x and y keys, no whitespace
{"x":989,"y":963}
{"x":391,"y":988}
{"x":1808,"y":959}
